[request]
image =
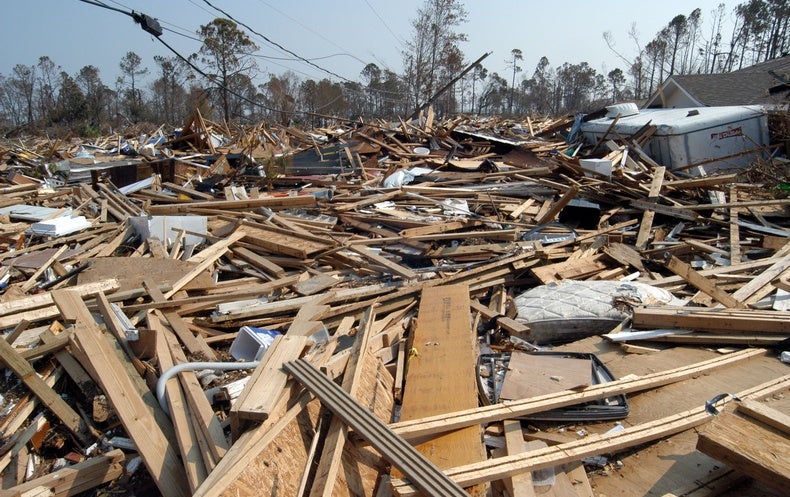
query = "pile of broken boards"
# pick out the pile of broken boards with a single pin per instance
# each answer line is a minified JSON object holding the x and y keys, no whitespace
{"x":371,"y":324}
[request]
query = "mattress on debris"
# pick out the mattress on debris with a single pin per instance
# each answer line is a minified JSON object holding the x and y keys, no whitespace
{"x":569,"y":310}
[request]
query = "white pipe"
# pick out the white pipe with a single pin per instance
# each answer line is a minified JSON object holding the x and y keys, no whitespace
{"x":194,"y":366}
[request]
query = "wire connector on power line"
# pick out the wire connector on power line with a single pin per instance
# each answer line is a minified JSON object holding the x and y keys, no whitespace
{"x":148,"y":23}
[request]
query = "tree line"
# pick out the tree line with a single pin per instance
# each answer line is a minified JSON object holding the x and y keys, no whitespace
{"x":221,"y":79}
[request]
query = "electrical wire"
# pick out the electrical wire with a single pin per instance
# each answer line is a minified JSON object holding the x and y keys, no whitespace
{"x":308,"y":28}
{"x":136,"y":16}
{"x":397,"y":38}
{"x":277,"y":44}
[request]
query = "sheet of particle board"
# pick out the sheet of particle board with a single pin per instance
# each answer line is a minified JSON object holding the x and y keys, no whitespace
{"x":441,"y":374}
{"x":529,"y":375}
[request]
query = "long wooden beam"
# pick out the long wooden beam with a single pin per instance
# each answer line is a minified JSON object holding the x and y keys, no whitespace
{"x":610,"y":442}
{"x":157,"y":451}
{"x":432,"y":425}
{"x":72,"y":480}
{"x":425,"y":475}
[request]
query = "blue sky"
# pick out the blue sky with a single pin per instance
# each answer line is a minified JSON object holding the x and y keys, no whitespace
{"x":342,"y":35}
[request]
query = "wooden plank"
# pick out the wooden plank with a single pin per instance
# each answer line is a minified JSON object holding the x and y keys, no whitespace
{"x":518,"y":485}
{"x":44,"y":300}
{"x":760,"y":286}
{"x":186,"y":435}
{"x":31,"y":282}
{"x":700,"y":282}
{"x":750,"y":447}
{"x":713,"y":320}
{"x":369,"y":200}
{"x":267,"y":382}
{"x":383,"y":261}
{"x":20,"y":327}
{"x":330,"y":460}
{"x":560,"y":204}
{"x":195,"y":345}
{"x":259,"y":261}
{"x":208,"y":256}
{"x":234,"y":205}
{"x":571,"y":269}
{"x":153,"y":446}
{"x":73,"y":368}
{"x":533,"y":375}
{"x":441,"y":376}
{"x":735,"y":233}
{"x":610,"y":442}
{"x":426,"y":475}
{"x":202,"y":412}
{"x":766,"y":415}
{"x":646,"y":225}
{"x":72,"y":480}
{"x":434,"y":424}
{"x":51,"y":399}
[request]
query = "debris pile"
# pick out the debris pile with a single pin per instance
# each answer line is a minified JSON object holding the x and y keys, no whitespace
{"x":467,"y":306}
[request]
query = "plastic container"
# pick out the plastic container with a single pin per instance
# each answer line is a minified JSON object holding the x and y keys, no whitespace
{"x":251,"y":343}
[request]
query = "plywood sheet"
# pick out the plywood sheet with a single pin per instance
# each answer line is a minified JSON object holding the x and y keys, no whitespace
{"x":441,"y":374}
{"x":131,"y":272}
{"x":529,"y":375}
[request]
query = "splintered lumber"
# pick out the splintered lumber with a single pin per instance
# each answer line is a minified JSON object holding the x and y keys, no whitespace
{"x":383,"y":261}
{"x":207,"y":258}
{"x":330,"y":460}
{"x":647,"y":217}
{"x":750,"y":446}
{"x":180,"y":414}
{"x":764,"y":414}
{"x":72,"y":480}
{"x":281,"y":241}
{"x":596,"y":444}
{"x":267,"y":382}
{"x":41,"y":306}
{"x":760,"y":286}
{"x":518,"y":485}
{"x":203,"y":418}
{"x":419,"y":469}
{"x":435,"y":424}
{"x":560,"y":204}
{"x":234,"y":205}
{"x":156,"y":450}
{"x":193,"y":344}
{"x":259,"y":261}
{"x":44,"y":392}
{"x":713,"y":320}
{"x":441,"y":376}
{"x":700,"y":282}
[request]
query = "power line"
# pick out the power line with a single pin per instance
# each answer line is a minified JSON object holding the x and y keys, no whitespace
{"x":151,"y":25}
{"x":397,"y":38}
{"x":277,"y":44}
{"x":308,"y":28}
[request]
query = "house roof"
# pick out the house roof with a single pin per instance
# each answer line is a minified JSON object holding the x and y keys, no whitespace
{"x":746,"y":86}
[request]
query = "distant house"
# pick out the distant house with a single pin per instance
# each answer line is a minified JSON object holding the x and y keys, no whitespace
{"x":761,"y":84}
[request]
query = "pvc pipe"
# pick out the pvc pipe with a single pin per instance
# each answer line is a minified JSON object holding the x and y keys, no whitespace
{"x":194,"y":366}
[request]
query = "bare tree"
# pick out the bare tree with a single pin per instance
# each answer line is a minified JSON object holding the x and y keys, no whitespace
{"x":227,"y":51}
{"x":132,"y":67}
{"x":433,"y":55}
{"x":512,"y":63}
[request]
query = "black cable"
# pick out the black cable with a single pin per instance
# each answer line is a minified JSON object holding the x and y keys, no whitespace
{"x":105,"y":6}
{"x":277,"y":44}
{"x":150,"y":25}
